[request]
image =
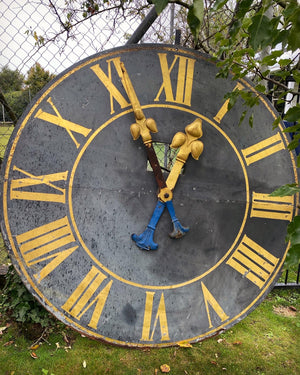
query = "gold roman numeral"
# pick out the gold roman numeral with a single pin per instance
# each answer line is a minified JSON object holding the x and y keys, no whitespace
{"x":88,"y":294}
{"x":106,"y":79}
{"x":45,"y":242}
{"x":57,"y":119}
{"x":224,"y":109}
{"x":263,"y":149}
{"x":279,"y":208}
{"x":161,"y":315}
{"x":253,"y":261}
{"x":184,"y":83}
{"x":210,"y":300}
{"x":31,"y":180}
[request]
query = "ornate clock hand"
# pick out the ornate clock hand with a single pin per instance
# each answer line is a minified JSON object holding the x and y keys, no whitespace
{"x":187,"y":143}
{"x":143,"y":127}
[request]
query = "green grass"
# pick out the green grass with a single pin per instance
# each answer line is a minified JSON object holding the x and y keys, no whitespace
{"x":5,"y":133}
{"x":266,"y":342}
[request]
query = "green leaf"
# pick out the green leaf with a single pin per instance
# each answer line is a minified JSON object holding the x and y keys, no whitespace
{"x":285,"y":190}
{"x":293,"y":114}
{"x":271,"y":59}
{"x":242,"y":117}
{"x":243,"y":8}
{"x":195,"y":17}
{"x":292,"y":129}
{"x":219,"y":4}
{"x":296,"y":75}
{"x":260,"y":88}
{"x":160,"y":5}
{"x":293,"y":234}
{"x":261,"y":32}
{"x":251,"y":120}
{"x":293,"y":256}
{"x":284,"y":62}
{"x":276,"y":123}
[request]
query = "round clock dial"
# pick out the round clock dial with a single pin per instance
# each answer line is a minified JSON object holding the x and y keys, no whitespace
{"x":93,"y":206}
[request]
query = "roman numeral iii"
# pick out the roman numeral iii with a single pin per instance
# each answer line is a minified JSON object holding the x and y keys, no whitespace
{"x":278,"y":208}
{"x":46,"y":242}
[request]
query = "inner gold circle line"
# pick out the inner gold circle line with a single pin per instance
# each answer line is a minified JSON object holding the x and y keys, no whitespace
{"x":106,"y":269}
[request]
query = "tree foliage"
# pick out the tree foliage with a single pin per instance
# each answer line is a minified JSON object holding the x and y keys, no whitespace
{"x":18,"y":91}
{"x":10,"y":80}
{"x":37,"y":77}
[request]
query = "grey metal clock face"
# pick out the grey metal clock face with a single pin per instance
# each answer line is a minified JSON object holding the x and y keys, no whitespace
{"x":76,"y":186}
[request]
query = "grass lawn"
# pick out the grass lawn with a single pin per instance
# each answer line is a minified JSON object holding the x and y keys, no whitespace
{"x":5,"y":132}
{"x":266,"y":342}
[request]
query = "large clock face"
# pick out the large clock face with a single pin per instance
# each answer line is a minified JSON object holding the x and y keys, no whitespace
{"x":76,"y":186}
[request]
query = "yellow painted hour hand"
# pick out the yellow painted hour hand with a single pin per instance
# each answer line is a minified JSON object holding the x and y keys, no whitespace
{"x":143,"y":127}
{"x":188,"y":144}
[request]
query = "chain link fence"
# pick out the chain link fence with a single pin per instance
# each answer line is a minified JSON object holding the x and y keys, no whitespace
{"x":39,"y":31}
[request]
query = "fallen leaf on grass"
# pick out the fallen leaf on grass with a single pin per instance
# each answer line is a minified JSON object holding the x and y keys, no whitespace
{"x":165,"y":368}
{"x":185,"y":344}
{"x":8,"y":343}
{"x":66,"y":338}
{"x":34,"y":347}
{"x":219,"y":341}
{"x":2,"y":329}
{"x":33,"y":355}
{"x":237,"y":343}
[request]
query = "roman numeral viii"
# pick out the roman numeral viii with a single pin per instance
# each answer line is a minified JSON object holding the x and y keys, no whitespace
{"x":46,"y":242}
{"x":18,"y":187}
{"x":58,"y":120}
{"x":184,"y":82}
{"x":253,"y":262}
{"x":87,"y":294}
